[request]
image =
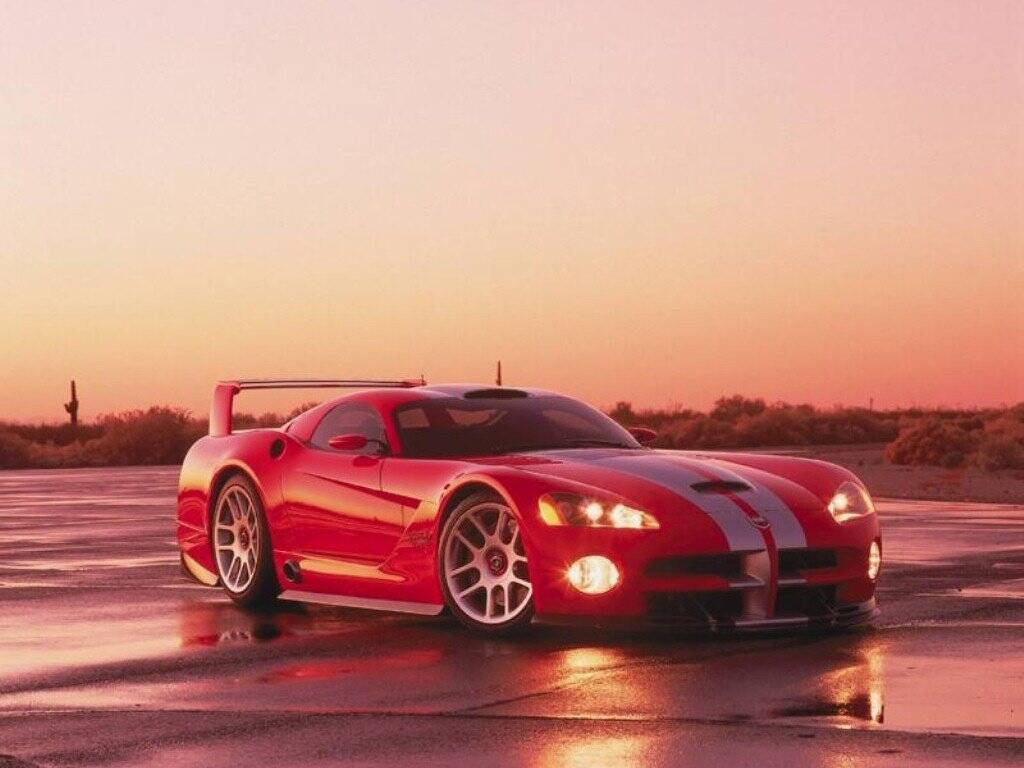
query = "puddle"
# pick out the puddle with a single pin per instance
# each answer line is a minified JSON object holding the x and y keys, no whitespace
{"x":862,"y":707}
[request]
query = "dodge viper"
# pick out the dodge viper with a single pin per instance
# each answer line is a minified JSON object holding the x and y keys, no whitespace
{"x":506,"y":506}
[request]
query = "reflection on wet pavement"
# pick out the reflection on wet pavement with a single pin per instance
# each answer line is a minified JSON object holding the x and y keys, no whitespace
{"x":97,"y":617}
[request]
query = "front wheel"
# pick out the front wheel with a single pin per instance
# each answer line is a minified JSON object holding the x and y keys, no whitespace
{"x":241,"y":545}
{"x":483,"y":567}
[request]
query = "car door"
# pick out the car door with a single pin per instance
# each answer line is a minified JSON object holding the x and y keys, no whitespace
{"x":334,"y":496}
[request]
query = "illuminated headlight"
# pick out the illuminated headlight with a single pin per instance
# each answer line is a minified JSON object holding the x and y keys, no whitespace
{"x":593,"y":574}
{"x":572,"y":509}
{"x":850,"y":502}
{"x":874,"y":560}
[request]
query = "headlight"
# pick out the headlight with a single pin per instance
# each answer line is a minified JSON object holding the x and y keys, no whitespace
{"x":850,"y":502}
{"x":572,"y":509}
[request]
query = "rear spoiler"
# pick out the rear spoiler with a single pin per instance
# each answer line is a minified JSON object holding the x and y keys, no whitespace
{"x":225,"y":391}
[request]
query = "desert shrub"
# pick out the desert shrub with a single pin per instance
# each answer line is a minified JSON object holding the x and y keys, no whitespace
{"x":732,"y":408}
{"x":933,"y":441}
{"x":269,"y":419}
{"x":299,"y":409}
{"x":159,"y":435}
{"x":58,"y":434}
{"x":997,"y":452}
{"x":1001,"y":445}
{"x":991,"y":440}
{"x":653,"y":418}
{"x":847,"y":426}
{"x":778,"y":425}
{"x":251,"y":421}
{"x":699,"y":432}
{"x":624,"y":414}
{"x":15,"y":451}
{"x":738,"y":421}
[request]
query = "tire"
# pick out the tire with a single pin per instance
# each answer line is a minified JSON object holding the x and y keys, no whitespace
{"x":240,"y":539}
{"x":482,"y":566}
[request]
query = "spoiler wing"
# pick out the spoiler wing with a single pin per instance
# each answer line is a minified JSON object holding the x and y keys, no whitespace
{"x":225,"y":391}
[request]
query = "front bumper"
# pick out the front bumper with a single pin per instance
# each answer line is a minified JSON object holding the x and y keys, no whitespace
{"x":823,"y":585}
{"x":844,"y":617}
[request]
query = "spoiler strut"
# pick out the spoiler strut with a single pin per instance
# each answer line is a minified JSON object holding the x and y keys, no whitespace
{"x":225,"y":391}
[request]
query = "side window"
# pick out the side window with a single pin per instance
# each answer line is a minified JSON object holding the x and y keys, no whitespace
{"x":348,"y":419}
{"x":413,"y":418}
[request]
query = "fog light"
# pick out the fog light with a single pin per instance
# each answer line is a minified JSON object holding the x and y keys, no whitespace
{"x":593,"y":574}
{"x":874,"y":560}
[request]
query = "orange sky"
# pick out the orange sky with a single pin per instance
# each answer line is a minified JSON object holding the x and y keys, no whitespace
{"x":661,"y":202}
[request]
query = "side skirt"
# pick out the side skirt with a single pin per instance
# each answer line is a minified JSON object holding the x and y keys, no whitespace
{"x":399,"y":606}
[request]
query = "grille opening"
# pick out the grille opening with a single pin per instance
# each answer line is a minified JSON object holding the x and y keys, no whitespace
{"x":806,"y":601}
{"x":694,"y":608}
{"x":721,"y":486}
{"x":727,"y":565}
{"x":793,"y":561}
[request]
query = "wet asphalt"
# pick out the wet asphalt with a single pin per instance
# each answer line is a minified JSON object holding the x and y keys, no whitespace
{"x":109,"y":656}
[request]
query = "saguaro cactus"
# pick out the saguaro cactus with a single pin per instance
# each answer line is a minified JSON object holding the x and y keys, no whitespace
{"x":72,"y":406}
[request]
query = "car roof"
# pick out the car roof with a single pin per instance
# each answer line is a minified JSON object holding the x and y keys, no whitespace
{"x":387,"y":399}
{"x":395,"y":397}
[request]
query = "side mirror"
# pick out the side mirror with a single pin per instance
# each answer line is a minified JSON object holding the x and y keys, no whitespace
{"x":643,"y":435}
{"x":351,"y":442}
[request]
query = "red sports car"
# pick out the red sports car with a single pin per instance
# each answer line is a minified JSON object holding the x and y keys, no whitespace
{"x":508,"y":505}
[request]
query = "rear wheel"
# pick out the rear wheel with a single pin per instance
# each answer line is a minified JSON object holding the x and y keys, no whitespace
{"x":241,"y":545}
{"x":483,"y":566}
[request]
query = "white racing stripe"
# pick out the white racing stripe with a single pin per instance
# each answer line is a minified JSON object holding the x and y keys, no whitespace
{"x":786,"y":529}
{"x":674,"y":475}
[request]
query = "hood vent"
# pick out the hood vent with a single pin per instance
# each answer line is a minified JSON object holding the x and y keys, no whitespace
{"x":721,"y":486}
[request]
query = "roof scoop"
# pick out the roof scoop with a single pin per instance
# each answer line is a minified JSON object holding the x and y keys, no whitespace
{"x":495,"y":394}
{"x":721,"y":486}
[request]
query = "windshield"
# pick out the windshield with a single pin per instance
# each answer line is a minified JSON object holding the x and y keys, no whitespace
{"x":456,"y":426}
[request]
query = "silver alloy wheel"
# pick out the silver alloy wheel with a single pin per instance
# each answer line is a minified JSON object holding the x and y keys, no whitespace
{"x":485,"y":564}
{"x":236,"y":536}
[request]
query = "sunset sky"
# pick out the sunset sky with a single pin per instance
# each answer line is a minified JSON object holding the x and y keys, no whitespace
{"x":657,"y":202}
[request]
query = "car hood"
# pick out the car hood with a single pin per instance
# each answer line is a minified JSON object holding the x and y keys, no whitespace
{"x":739,"y":498}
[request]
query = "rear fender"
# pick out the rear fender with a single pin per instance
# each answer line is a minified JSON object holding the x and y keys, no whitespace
{"x":261,"y":455}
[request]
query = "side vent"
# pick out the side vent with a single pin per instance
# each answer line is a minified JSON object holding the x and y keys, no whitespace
{"x":276,"y":448}
{"x":721,"y":486}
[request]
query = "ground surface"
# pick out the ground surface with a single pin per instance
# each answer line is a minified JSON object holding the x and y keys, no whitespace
{"x":109,"y":657}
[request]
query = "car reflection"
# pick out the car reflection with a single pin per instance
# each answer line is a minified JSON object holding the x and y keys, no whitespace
{"x":216,"y":623}
{"x":576,"y":750}
{"x":853,"y":692}
{"x":840,"y":679}
{"x":325,"y":669}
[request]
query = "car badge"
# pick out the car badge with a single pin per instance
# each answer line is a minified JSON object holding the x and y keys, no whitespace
{"x":759,"y":522}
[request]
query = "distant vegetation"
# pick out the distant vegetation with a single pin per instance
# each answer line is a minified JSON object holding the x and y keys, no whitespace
{"x":990,"y":439}
{"x":159,"y":435}
{"x":740,"y":422}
